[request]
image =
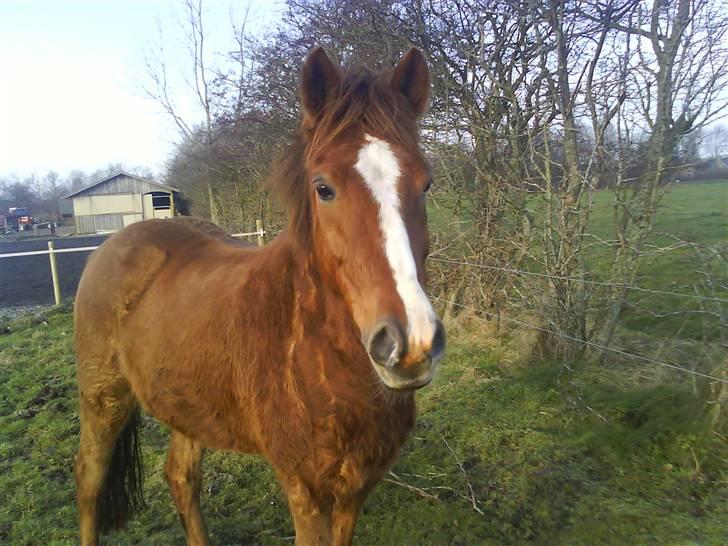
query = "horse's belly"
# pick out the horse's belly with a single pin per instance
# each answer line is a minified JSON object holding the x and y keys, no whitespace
{"x":197,"y":420}
{"x":182,"y":396}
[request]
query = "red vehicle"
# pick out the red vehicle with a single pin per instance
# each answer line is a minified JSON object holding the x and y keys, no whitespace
{"x":18,"y":219}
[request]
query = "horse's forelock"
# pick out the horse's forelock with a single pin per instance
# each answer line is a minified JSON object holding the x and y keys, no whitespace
{"x":369,"y":101}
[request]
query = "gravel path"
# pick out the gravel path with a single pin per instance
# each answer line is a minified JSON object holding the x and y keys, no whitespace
{"x":11,"y":313}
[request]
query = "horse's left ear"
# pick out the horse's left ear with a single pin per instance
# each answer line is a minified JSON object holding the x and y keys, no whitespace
{"x":412,"y":78}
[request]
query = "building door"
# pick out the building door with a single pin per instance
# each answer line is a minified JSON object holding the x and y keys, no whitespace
{"x":147,"y":206}
{"x":158,"y":204}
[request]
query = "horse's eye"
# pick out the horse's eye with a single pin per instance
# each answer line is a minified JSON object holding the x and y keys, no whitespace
{"x":427,"y":186}
{"x":325,"y":193}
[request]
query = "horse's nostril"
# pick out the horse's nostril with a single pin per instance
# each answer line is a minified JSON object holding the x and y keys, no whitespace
{"x":386,"y":344}
{"x":438,"y":342}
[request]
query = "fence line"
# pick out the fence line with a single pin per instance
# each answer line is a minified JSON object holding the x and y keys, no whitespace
{"x":590,"y":343}
{"x":55,"y":251}
{"x":260,"y":233}
{"x":52,"y":251}
{"x":577,"y":279}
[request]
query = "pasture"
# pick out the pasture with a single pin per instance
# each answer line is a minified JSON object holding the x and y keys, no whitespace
{"x":510,"y":439}
{"x":507,"y":449}
{"x":695,"y":212}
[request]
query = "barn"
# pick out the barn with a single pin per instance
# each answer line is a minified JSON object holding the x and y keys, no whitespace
{"x":119,"y":200}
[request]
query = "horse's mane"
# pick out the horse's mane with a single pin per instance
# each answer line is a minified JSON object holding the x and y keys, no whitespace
{"x":364,"y":99}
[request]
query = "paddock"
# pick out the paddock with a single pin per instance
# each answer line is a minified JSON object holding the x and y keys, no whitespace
{"x":26,"y":280}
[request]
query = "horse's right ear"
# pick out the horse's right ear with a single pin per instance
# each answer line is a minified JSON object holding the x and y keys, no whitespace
{"x":320,"y":82}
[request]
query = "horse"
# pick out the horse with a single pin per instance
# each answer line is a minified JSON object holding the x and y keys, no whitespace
{"x":306,"y":350}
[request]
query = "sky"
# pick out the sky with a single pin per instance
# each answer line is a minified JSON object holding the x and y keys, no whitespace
{"x":72,"y":74}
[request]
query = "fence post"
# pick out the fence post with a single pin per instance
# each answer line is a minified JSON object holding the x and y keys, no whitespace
{"x":54,"y":273}
{"x":261,"y":234}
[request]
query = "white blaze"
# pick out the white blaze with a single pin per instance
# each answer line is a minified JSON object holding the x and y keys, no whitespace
{"x":379,"y":168}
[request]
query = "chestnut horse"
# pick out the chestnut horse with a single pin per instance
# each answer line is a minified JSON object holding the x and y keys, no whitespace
{"x":306,"y":350}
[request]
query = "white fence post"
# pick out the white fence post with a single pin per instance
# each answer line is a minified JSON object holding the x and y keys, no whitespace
{"x":261,"y":233}
{"x":54,"y":273}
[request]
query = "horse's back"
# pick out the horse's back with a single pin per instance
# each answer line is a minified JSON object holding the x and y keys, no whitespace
{"x":119,"y":273}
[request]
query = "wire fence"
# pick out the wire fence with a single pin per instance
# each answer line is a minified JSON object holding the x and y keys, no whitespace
{"x":580,"y":279}
{"x":562,"y":335}
{"x":260,"y":233}
{"x":615,"y":350}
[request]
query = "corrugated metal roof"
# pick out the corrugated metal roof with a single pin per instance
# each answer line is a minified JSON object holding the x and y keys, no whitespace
{"x":120,"y":173}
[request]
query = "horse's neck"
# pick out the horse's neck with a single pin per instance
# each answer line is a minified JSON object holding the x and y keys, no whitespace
{"x":300,"y":350}
{"x":288,"y":294}
{"x":319,"y":312}
{"x":307,"y":322}
{"x":326,"y":345}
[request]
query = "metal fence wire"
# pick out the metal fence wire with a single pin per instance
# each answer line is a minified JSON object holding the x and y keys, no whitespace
{"x":580,"y":279}
{"x":261,"y":233}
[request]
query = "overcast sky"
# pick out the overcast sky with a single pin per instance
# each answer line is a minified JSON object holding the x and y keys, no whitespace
{"x":69,"y":93}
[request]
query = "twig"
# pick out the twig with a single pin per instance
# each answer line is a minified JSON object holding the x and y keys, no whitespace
{"x":472,"y":498}
{"x":421,"y":492}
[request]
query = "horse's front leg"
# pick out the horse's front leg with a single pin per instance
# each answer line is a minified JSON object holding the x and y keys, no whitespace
{"x":311,"y":516}
{"x":343,"y":520}
{"x":345,"y":513}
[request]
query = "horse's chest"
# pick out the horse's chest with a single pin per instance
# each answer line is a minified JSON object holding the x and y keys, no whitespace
{"x":353,"y":450}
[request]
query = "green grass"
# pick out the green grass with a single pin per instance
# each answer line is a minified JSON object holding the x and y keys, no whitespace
{"x":696,"y":211}
{"x":638,"y":468}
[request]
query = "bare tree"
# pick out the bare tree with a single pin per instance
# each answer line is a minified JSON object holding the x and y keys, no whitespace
{"x":197,"y":77}
{"x":535,"y":106}
{"x":677,"y":72}
{"x":53,"y":189}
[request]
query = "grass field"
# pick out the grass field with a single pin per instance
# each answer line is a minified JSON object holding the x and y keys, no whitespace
{"x":542,"y":467}
{"x":695,"y":212}
{"x":507,"y":450}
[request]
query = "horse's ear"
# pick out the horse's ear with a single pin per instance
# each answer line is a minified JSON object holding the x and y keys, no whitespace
{"x":320,"y":81}
{"x":411,"y":77}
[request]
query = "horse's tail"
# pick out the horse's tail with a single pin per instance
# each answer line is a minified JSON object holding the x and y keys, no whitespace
{"x":121,"y":496}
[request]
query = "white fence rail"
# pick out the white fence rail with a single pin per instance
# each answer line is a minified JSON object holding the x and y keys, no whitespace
{"x":55,"y":251}
{"x":52,"y":251}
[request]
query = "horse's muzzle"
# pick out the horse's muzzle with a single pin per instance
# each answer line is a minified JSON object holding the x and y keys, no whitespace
{"x":400,"y":366}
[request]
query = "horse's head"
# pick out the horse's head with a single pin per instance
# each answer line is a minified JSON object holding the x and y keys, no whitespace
{"x":366,"y":180}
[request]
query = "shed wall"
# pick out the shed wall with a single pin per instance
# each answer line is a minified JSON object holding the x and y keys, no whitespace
{"x":115,"y":204}
{"x":107,"y":204}
{"x":99,"y":222}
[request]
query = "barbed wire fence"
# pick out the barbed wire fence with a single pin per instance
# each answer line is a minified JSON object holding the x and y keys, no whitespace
{"x":682,"y":368}
{"x":580,"y":279}
{"x":703,"y":359}
{"x":611,"y":349}
{"x":615,"y":350}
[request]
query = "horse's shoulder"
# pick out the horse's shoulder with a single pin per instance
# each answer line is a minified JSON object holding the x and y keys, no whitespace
{"x":129,"y":261}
